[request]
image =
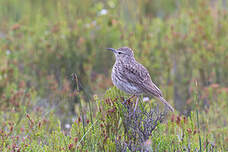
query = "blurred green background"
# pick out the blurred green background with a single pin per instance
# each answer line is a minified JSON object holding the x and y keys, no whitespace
{"x":42,"y":42}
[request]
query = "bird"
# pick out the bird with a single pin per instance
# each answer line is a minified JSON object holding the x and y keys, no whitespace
{"x":132,"y":77}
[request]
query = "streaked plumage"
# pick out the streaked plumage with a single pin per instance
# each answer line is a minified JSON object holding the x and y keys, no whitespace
{"x":132,"y":77}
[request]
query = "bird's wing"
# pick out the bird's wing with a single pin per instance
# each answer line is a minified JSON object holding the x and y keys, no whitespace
{"x":138,"y":75}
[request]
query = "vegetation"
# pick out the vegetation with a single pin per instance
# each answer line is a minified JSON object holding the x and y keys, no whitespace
{"x":182,"y":43}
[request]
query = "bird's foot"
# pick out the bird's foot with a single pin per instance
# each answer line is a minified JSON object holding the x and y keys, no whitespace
{"x":136,"y":104}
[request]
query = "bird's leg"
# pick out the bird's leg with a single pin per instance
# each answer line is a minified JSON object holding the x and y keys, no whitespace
{"x":136,"y":103}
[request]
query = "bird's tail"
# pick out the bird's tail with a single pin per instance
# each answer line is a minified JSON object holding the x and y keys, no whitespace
{"x":166,"y":103}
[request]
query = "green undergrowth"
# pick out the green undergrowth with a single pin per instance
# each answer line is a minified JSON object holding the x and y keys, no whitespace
{"x":106,"y":129}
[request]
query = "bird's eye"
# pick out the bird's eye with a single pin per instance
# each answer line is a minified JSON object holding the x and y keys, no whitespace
{"x":119,"y":52}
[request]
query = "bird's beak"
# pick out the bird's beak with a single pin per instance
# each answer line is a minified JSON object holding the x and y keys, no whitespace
{"x":113,"y":50}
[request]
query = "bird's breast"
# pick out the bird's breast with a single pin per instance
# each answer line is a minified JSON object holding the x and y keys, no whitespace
{"x":122,"y":83}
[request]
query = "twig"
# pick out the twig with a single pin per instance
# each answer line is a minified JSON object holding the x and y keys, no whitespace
{"x":86,"y":133}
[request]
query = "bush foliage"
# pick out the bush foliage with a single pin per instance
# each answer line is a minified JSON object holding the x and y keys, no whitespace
{"x":182,"y":43}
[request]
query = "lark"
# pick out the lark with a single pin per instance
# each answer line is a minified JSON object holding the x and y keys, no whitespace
{"x":133,"y":78}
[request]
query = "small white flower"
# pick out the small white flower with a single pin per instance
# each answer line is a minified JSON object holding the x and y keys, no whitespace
{"x":67,"y":126}
{"x":8,"y":52}
{"x":103,"y":12}
{"x":145,"y":99}
{"x":73,"y":119}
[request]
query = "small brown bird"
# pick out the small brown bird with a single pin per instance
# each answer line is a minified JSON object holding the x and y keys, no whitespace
{"x":132,"y":77}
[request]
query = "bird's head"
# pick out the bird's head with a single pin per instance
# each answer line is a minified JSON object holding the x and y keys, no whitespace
{"x":122,"y":53}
